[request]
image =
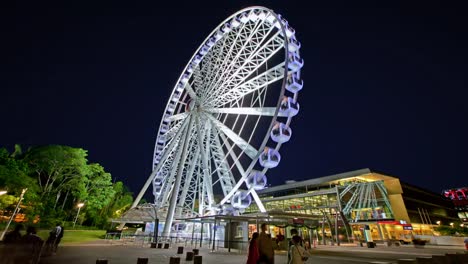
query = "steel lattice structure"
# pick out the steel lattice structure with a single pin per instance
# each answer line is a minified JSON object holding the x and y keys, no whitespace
{"x":227,"y":117}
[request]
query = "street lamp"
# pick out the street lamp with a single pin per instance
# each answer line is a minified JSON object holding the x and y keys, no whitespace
{"x":438,"y":222}
{"x":77,"y":213}
{"x":451,"y":224}
{"x":156,"y":223}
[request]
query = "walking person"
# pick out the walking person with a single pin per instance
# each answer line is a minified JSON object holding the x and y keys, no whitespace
{"x":297,"y":252}
{"x":30,"y":247}
{"x":293,"y":233}
{"x":265,"y":247}
{"x":11,"y":241}
{"x":253,"y":255}
{"x":58,"y":236}
{"x":55,"y":236}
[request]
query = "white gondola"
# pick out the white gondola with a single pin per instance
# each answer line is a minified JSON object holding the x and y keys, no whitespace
{"x":269,"y":158}
{"x":289,"y":30}
{"x":241,"y":199}
{"x":228,"y":209}
{"x":289,"y":107}
{"x":253,"y":16}
{"x":294,"y":83}
{"x":157,"y":189}
{"x":210,"y":43}
{"x":270,"y":18}
{"x":197,"y":59}
{"x":262,"y":14}
{"x":171,"y":106}
{"x":176,"y":95}
{"x":162,"y":139}
{"x":185,"y":78}
{"x":293,"y":44}
{"x":235,"y":22}
{"x":295,"y":62}
{"x":180,"y":87}
{"x":227,"y":28}
{"x":204,"y":50}
{"x":218,"y":35}
{"x":281,"y":133}
{"x":164,"y":128}
{"x":256,"y":180}
{"x":190,"y":68}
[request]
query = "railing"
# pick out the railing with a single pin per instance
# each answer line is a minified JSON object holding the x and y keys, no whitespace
{"x":143,"y":240}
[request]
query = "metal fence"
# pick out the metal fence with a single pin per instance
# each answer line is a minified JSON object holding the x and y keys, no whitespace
{"x":145,"y":240}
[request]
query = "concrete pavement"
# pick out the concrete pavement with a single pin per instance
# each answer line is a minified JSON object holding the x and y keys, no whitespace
{"x":117,"y":253}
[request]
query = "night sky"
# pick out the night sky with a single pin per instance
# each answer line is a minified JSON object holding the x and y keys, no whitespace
{"x":384,"y":87}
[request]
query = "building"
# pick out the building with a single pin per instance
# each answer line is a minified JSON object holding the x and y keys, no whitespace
{"x":459,"y":198}
{"x":356,"y":201}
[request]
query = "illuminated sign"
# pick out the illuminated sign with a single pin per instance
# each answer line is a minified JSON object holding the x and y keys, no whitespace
{"x":456,"y":194}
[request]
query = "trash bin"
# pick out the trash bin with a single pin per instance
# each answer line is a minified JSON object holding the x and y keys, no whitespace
{"x":370,"y":244}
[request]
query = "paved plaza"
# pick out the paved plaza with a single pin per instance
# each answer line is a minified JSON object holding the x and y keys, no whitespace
{"x":125,"y":253}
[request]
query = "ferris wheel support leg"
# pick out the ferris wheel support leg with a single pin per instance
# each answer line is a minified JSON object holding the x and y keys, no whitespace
{"x":175,"y":190}
{"x":204,"y":154}
{"x":158,"y":167}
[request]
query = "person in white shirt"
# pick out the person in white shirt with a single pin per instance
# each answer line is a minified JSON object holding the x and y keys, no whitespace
{"x":298,"y":254}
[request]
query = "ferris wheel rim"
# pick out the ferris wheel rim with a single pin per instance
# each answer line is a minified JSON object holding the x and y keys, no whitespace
{"x":274,"y":118}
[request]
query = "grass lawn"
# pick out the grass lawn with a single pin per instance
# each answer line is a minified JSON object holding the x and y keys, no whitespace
{"x":76,"y":236}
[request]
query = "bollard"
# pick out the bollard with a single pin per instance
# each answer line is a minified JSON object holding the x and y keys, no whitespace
{"x":424,"y":260}
{"x":159,"y":245}
{"x":197,"y":259}
{"x":406,"y":261}
{"x":439,"y":259}
{"x":196,"y":251}
{"x":174,"y":260}
{"x":180,"y":250}
{"x":101,"y":261}
{"x":153,"y":245}
{"x":189,"y":256}
{"x":142,"y":261}
{"x":166,"y":246}
{"x":453,"y":258}
{"x":463,"y":257}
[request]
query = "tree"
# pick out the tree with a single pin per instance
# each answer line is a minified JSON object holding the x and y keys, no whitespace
{"x":14,"y":178}
{"x":99,"y":191}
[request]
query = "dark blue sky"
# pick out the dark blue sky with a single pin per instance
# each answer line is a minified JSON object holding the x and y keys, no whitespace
{"x":385,"y":87}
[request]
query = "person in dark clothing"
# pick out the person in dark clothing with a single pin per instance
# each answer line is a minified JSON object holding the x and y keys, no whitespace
{"x":30,"y":247}
{"x":58,"y":234}
{"x":55,"y":236}
{"x":14,"y":235}
{"x":11,"y":241}
{"x":253,"y":255}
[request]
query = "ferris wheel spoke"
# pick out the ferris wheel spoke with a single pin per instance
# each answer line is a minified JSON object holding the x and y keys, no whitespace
{"x":177,"y":117}
{"x":204,"y":151}
{"x":188,"y":176}
{"x":190,"y":91}
{"x":261,"y":111}
{"x":251,"y":64}
{"x":246,"y":42}
{"x":243,"y":174}
{"x":259,"y":82}
{"x":240,"y":142}
{"x":222,"y":167}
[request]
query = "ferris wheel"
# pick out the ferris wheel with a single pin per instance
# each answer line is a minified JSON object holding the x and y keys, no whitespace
{"x":227,"y":117}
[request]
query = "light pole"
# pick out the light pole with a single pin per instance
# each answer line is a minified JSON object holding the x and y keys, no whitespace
{"x":14,"y":212}
{"x":156,"y":224}
{"x":77,"y":213}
